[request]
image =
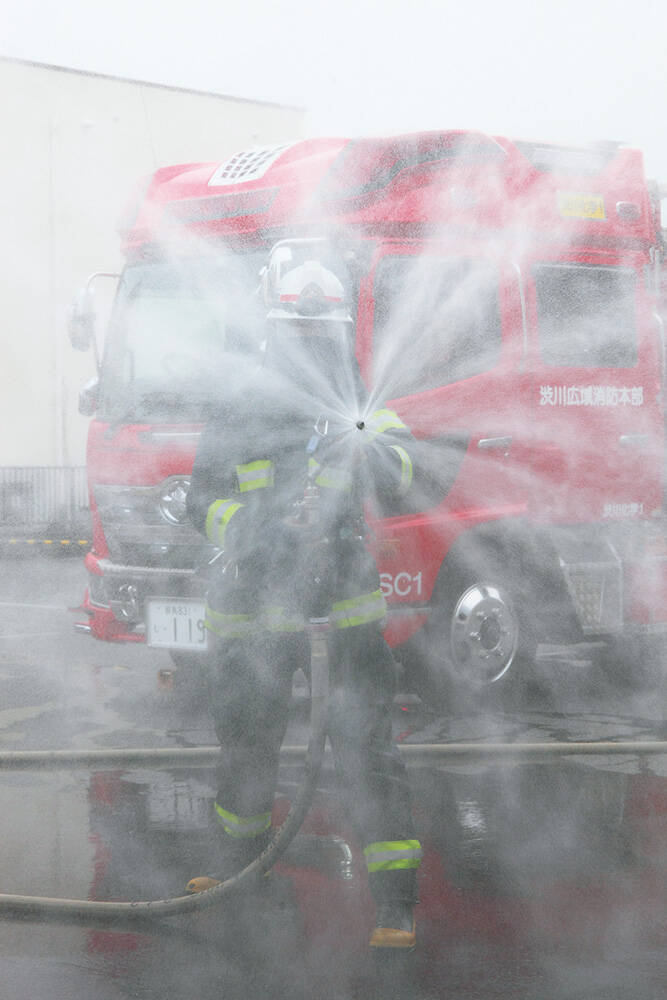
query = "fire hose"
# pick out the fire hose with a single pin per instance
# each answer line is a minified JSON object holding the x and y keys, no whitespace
{"x":89,"y":912}
{"x":133,"y":913}
{"x":94,"y":912}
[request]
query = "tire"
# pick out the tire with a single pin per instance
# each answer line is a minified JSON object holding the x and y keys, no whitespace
{"x":478,"y":639}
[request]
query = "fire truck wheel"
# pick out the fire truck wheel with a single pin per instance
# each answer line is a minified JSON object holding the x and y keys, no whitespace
{"x":479,"y":634}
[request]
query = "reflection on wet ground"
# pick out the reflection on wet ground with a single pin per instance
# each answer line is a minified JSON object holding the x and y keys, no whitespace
{"x":539,"y":880}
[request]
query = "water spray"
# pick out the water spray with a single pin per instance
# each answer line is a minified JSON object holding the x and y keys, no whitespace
{"x":103,"y":914}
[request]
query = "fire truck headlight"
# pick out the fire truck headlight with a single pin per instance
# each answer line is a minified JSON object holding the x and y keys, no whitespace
{"x":172,"y":500}
{"x":97,"y":591}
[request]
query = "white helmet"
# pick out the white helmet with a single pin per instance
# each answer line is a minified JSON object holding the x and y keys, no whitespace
{"x":310,"y":292}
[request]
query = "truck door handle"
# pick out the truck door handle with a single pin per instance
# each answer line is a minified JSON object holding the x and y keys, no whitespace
{"x":495,"y":444}
{"x":633,"y":440}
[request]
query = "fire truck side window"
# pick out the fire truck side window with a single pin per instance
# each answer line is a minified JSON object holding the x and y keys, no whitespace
{"x":437,"y":321}
{"x":586,"y":316}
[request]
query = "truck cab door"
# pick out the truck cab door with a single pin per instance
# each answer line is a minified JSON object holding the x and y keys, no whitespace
{"x":596,"y":419}
{"x":441,"y":338}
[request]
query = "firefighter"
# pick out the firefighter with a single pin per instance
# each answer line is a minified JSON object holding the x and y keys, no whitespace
{"x":254,"y":458}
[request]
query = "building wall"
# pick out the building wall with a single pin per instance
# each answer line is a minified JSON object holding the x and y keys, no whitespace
{"x":74,"y":145}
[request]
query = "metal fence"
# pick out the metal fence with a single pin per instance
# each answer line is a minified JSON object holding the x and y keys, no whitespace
{"x":35,"y":499}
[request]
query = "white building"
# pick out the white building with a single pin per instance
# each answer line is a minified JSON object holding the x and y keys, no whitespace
{"x":74,"y":144}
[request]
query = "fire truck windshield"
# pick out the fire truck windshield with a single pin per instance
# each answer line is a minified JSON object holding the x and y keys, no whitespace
{"x":178,"y":330}
{"x":437,"y":321}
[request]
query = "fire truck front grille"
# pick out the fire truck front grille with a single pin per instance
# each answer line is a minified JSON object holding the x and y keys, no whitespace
{"x":595,"y":589}
{"x":147,"y":526}
{"x":162,"y":554}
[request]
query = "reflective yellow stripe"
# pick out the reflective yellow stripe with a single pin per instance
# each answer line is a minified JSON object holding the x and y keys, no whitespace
{"x":406,"y":468}
{"x":228,"y":626}
{"x":243,"y":826}
{"x":393,"y":855}
{"x":277,"y":619}
{"x":210,"y":514}
{"x":384,"y":420}
{"x":360,"y":610}
{"x":255,"y":475}
{"x":330,"y":478}
{"x":217,"y":518}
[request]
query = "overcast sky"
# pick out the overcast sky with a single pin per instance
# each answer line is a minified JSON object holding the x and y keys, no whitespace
{"x":572,"y":70}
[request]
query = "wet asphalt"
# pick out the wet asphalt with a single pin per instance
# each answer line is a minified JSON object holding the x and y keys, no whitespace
{"x":540,"y":880}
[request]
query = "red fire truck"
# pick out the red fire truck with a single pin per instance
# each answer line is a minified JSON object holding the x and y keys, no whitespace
{"x":507,"y":299}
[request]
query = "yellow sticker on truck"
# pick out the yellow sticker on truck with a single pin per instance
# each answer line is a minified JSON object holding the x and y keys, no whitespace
{"x":579,"y":205}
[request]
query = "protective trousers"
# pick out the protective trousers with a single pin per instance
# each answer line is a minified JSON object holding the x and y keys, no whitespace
{"x":251,"y":687}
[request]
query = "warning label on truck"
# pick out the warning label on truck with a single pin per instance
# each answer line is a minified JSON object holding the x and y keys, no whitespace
{"x":578,"y":205}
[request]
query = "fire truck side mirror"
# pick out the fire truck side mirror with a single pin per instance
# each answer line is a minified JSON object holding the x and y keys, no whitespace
{"x":280,"y":256}
{"x":89,"y":397}
{"x":81,"y":325}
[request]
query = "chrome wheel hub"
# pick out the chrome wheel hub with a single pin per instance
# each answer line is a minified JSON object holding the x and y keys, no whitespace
{"x":484,"y":634}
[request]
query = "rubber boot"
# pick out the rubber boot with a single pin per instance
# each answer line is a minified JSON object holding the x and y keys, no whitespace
{"x":394,"y":925}
{"x":234,"y":856}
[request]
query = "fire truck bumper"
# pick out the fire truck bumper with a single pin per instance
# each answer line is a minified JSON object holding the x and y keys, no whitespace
{"x":116,"y":599}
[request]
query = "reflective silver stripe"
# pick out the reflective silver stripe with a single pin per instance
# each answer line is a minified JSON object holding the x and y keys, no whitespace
{"x":229,"y":626}
{"x":393,"y":855}
{"x":255,"y":475}
{"x":359,"y":610}
{"x":384,"y":420}
{"x":406,"y":468}
{"x":218,"y":517}
{"x":243,"y":826}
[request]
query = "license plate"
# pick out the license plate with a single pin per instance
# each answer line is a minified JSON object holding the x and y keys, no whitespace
{"x":175,"y":624}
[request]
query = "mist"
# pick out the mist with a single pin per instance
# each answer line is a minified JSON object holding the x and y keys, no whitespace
{"x":516,"y":360}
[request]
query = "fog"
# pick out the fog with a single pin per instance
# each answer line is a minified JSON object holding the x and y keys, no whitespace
{"x":539,"y":878}
{"x":569,"y":71}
